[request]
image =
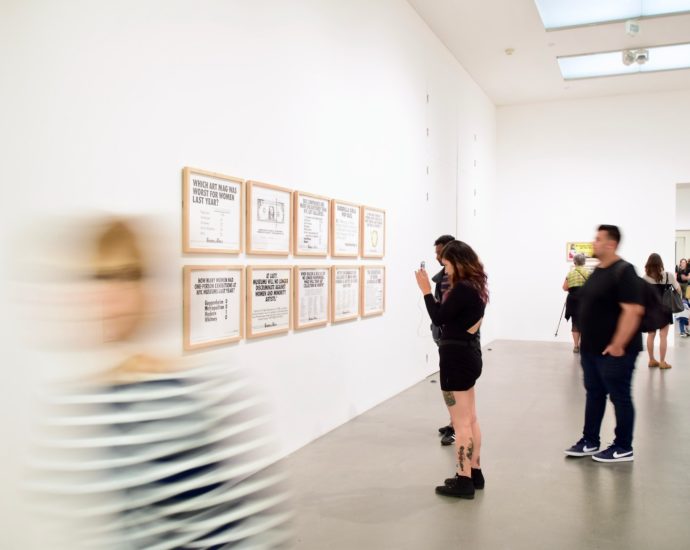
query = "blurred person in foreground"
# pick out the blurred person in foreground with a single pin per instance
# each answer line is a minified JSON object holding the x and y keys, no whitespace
{"x":145,"y":452}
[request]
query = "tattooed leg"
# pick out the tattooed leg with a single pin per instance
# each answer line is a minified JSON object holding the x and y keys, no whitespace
{"x":461,"y":458}
{"x":449,"y":398}
{"x":470,"y":450}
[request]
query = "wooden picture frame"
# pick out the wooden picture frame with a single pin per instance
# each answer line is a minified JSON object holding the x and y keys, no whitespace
{"x":345,"y":229}
{"x":274,"y":286}
{"x":312,"y":232}
{"x":373,"y":232}
{"x":371,"y":302}
{"x":345,"y":303}
{"x":203,"y":299}
{"x":209,"y":228}
{"x":269,"y":219}
{"x":319,"y":313}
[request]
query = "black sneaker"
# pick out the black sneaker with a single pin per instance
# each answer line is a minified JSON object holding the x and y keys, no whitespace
{"x":614,"y":454}
{"x":583,"y":448}
{"x":448,"y":439}
{"x":459,"y":487}
{"x":477,"y":479}
{"x":445,"y":429}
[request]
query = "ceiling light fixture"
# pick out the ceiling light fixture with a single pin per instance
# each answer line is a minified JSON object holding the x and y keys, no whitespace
{"x":560,"y":14}
{"x":641,"y":60}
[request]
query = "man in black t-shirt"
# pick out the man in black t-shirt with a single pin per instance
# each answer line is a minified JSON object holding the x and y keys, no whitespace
{"x":441,"y":286}
{"x":611,"y":307}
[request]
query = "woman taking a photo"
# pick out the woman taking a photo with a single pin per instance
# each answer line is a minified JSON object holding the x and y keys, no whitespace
{"x":460,"y":314}
{"x":655,"y":274}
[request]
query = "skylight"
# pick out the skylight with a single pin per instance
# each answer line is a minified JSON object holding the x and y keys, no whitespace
{"x":660,"y":58}
{"x":557,"y":14}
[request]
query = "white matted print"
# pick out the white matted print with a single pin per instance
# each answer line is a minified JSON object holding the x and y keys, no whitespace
{"x":373,"y":290}
{"x":269,"y":219}
{"x":214,"y":298}
{"x":345,"y":229}
{"x":373,"y":232}
{"x":212,"y":212}
{"x":345,"y":292}
{"x":269,"y":300}
{"x":312,"y":225}
{"x":312,"y":296}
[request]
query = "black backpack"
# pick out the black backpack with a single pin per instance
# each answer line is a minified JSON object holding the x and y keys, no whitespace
{"x":656,"y":316}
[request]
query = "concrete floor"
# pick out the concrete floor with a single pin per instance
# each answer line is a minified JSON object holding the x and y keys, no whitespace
{"x":370,"y":483}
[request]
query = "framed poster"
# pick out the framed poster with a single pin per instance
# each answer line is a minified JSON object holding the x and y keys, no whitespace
{"x":312,"y":225}
{"x":344,"y":229}
{"x":373,"y":290}
{"x":344,"y":292}
{"x":211,"y":212}
{"x":213,"y":304}
{"x":269,"y":219}
{"x":373,"y":232}
{"x":312,"y":296}
{"x":268,"y":300}
{"x":586,"y":248}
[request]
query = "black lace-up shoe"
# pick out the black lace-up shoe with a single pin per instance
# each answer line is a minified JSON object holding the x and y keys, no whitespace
{"x":459,"y":487}
{"x":477,"y":479}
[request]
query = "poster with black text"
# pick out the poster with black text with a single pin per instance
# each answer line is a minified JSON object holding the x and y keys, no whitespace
{"x":213,"y":305}
{"x":345,"y":295}
{"x":312,"y":225}
{"x":312,"y":291}
{"x":345,"y":229}
{"x":373,"y":290}
{"x":212,"y":213}
{"x":269,"y":310}
{"x":269,"y":219}
{"x":373,"y":232}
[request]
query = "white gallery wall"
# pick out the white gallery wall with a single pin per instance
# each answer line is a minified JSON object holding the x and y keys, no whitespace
{"x":566,"y":167}
{"x":354,"y":100}
{"x":683,"y":207}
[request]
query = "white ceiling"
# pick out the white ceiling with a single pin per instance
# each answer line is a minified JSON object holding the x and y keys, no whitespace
{"x":479,"y":32}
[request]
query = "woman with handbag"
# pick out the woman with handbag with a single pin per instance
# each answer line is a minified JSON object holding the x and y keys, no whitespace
{"x":669,"y":291}
{"x":574,"y":281}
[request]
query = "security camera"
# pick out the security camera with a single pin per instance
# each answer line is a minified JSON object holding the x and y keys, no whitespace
{"x":641,"y":57}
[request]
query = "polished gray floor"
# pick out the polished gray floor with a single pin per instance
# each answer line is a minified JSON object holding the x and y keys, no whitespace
{"x":370,"y":483}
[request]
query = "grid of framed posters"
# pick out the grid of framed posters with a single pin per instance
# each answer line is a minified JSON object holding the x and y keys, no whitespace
{"x":213,"y":305}
{"x":312,"y":225}
{"x":312,"y":296}
{"x":269,"y":219}
{"x":269,"y":300}
{"x":212,"y":212}
{"x":345,"y":228}
{"x":373,"y":288}
{"x":373,"y":232}
{"x":345,"y":298}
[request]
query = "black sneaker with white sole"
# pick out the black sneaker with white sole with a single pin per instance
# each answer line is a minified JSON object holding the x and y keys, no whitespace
{"x":614,"y":454}
{"x":583,"y":448}
{"x":448,"y":439}
{"x":446,"y":429}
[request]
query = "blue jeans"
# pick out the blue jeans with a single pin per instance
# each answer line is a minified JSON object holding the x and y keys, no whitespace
{"x":605,"y":375}
{"x":683,"y":322}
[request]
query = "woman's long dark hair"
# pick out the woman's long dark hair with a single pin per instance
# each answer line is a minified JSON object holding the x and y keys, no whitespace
{"x":654,"y":267}
{"x":466,"y":267}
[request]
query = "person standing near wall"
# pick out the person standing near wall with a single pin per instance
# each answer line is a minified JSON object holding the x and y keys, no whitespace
{"x":655,"y":274}
{"x":460,"y":315}
{"x":576,"y":277}
{"x":611,"y":308}
{"x":442,"y":285}
{"x":683,"y":276}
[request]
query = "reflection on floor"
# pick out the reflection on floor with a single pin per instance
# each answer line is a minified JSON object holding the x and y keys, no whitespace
{"x":370,"y":483}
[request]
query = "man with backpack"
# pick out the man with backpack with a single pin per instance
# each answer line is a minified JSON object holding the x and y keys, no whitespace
{"x":612,"y":304}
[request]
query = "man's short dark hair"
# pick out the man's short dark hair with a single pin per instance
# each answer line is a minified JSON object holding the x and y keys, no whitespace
{"x":612,"y":231}
{"x":444,"y":240}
